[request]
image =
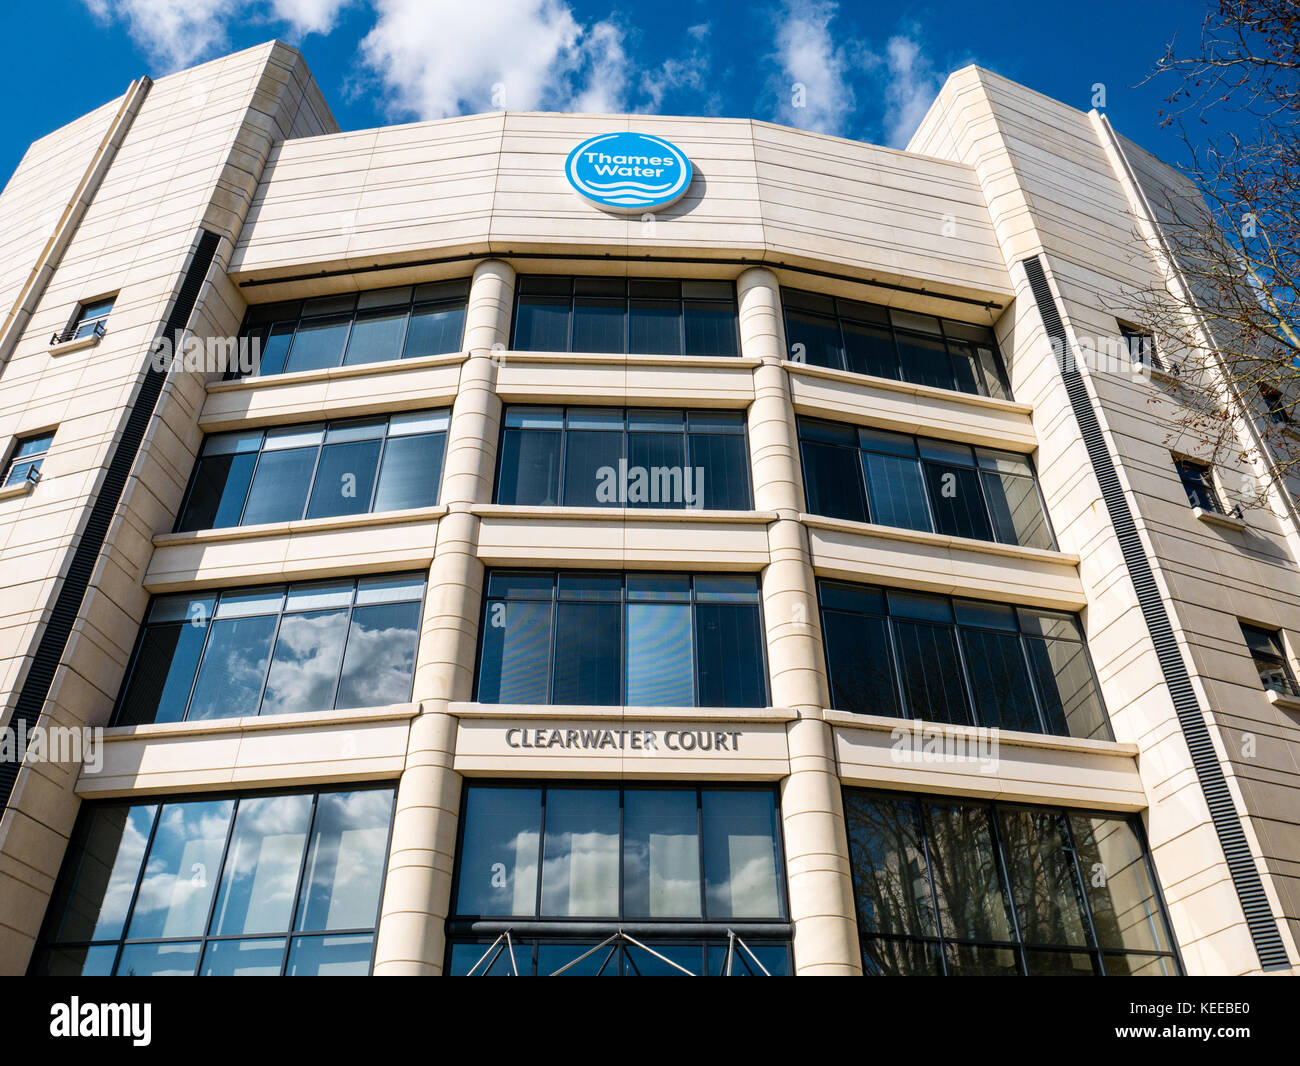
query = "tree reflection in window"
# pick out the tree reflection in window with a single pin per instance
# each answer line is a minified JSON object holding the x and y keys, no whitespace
{"x":961,"y":887}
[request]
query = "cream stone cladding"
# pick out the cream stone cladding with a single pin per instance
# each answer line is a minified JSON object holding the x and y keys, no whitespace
{"x":484,"y":196}
{"x":188,"y":159}
{"x":490,"y":184}
{"x":1058,"y":184}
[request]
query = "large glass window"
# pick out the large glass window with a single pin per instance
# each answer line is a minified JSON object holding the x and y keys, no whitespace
{"x":616,"y":457}
{"x":323,"y":470}
{"x":958,"y":661}
{"x":222,"y":886}
{"x":640,"y":316}
{"x":356,"y":328}
{"x":275,"y":650}
{"x":698,"y":861}
{"x":893,"y":479}
{"x":958,"y":887}
{"x":601,"y":638}
{"x":865,"y":339}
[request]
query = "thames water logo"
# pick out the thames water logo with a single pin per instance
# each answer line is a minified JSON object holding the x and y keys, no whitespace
{"x":629,"y":171}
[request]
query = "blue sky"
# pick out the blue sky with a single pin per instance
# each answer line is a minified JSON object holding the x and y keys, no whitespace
{"x":869,"y":71}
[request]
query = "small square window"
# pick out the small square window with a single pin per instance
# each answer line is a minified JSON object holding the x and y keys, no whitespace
{"x":1276,"y":404}
{"x":25,"y":462}
{"x":1270,"y":659}
{"x":1141,"y":346}
{"x":1198,"y":484}
{"x":91,"y":317}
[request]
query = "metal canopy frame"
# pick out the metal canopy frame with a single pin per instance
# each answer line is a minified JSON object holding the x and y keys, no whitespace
{"x":504,"y":942}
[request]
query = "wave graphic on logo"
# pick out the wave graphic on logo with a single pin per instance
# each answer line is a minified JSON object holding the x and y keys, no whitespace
{"x":612,"y":170}
{"x":629,"y":185}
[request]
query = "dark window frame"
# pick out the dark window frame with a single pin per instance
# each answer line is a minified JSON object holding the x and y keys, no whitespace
{"x":1019,"y":946}
{"x":563,"y":411}
{"x":258,"y":319}
{"x":81,"y":324}
{"x":133,"y":663}
{"x":1276,"y":658}
{"x":289,"y":935}
{"x":537,"y":929}
{"x":923,"y":464}
{"x":837,"y":318}
{"x":325,"y":427}
{"x":1142,"y":347}
{"x":1275,"y":406}
{"x":554,"y":600}
{"x":957,"y":628}
{"x":683,"y":300}
{"x":34,"y":461}
{"x":1197,"y":480}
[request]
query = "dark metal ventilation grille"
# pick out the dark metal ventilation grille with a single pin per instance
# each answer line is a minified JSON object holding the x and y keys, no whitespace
{"x":54,"y":639}
{"x":1227,"y":821}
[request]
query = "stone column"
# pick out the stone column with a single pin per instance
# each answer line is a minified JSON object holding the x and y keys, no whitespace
{"x":417,"y":895}
{"x":817,"y":856}
{"x":411,"y":937}
{"x":816,"y":845}
{"x":773,"y":445}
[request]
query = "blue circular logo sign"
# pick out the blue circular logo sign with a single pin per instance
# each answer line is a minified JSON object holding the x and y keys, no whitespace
{"x":629,"y":171}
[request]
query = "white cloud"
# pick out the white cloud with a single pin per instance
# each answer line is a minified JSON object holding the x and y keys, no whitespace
{"x":676,"y":74}
{"x":913,"y":85}
{"x":817,"y":94}
{"x":600,"y":71}
{"x":816,"y":56}
{"x":180,"y":33}
{"x":436,"y":58}
{"x":173,"y":33}
{"x":309,"y":16}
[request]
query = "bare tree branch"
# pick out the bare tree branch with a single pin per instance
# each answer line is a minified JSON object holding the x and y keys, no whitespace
{"x":1234,"y":236}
